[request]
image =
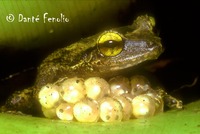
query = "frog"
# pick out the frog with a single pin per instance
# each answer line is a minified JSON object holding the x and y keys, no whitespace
{"x":105,"y":54}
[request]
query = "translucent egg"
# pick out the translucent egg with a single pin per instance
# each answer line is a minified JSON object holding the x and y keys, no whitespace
{"x":119,"y":85}
{"x":86,"y":110}
{"x":72,"y":90}
{"x":139,"y":84}
{"x":128,"y":96}
{"x":159,"y":104}
{"x":143,"y":106}
{"x":110,"y":110}
{"x":65,"y":111}
{"x":96,"y":87}
{"x":49,"y":96}
{"x":126,"y":105}
{"x":95,"y":99}
{"x":49,"y":112}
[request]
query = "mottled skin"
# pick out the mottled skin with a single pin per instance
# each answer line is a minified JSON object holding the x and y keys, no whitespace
{"x":83,"y":59}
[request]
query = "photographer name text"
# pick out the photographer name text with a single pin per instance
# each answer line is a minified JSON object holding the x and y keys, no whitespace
{"x":45,"y":18}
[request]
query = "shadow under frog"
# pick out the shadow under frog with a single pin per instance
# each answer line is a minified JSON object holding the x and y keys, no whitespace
{"x":106,"y":54}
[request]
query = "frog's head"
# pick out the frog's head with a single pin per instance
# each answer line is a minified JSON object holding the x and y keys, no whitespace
{"x":126,"y":47}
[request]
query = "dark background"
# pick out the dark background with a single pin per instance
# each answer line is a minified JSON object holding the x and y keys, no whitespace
{"x":178,"y":26}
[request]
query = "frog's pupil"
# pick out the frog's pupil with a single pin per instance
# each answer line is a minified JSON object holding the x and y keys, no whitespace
{"x":110,"y":44}
{"x":111,"y":47}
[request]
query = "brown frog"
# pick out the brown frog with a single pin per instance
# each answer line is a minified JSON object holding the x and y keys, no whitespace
{"x":106,"y":54}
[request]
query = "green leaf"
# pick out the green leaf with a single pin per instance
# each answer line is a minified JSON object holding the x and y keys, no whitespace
{"x":186,"y":121}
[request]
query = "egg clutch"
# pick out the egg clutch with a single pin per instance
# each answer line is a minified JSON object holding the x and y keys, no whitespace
{"x":97,"y":100}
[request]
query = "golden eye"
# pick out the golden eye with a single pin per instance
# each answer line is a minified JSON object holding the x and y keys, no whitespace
{"x":110,"y":43}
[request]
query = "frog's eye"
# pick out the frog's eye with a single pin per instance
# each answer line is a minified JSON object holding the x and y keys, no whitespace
{"x":110,"y":43}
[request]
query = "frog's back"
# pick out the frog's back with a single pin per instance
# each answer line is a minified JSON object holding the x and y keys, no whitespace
{"x":63,"y":61}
